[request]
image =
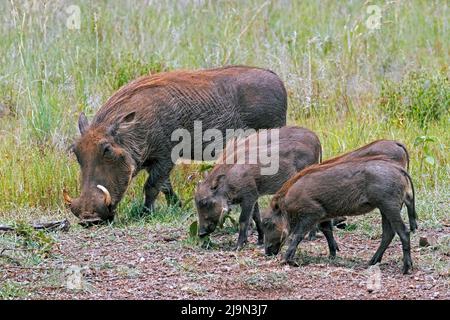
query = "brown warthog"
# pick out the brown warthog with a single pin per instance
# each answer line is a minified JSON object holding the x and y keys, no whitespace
{"x":242,"y":184}
{"x":394,"y":150}
{"x":354,"y":187}
{"x":132,"y":130}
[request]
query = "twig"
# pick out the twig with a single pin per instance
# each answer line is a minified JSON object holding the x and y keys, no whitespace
{"x":6,"y":228}
{"x":62,"y":225}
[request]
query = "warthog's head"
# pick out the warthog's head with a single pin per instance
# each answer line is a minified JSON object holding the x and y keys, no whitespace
{"x":106,"y":171}
{"x":212,"y":204}
{"x":276,"y":229}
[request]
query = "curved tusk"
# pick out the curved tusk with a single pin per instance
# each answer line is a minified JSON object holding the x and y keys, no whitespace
{"x":107,"y":195}
{"x":67,"y":198}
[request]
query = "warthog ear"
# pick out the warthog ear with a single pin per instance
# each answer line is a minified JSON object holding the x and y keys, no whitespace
{"x":217,"y":181}
{"x":276,"y":207}
{"x":123,"y":123}
{"x":128,"y":118}
{"x":83,"y":123}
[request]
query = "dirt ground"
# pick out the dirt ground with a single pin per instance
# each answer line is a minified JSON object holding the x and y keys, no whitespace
{"x":161,"y":262}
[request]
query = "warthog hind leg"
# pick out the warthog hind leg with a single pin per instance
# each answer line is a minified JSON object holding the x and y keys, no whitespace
{"x":386,"y":239}
{"x":327,"y":229}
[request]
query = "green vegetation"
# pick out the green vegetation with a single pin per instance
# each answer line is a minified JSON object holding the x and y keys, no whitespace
{"x":421,"y":97}
{"x":348,"y":83}
{"x":11,"y":290}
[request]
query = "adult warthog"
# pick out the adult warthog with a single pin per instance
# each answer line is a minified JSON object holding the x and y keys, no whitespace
{"x":132,"y":130}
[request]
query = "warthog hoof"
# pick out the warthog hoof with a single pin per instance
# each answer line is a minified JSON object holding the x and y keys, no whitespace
{"x":291,"y":263}
{"x":240,"y":246}
{"x":407,"y":267}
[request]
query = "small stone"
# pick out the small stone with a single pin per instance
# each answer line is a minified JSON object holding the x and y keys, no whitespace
{"x":373,"y":282}
{"x":225,"y":268}
{"x":423,"y":242}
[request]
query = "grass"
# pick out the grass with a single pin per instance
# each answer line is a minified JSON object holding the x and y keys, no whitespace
{"x":346,"y":82}
{"x":11,"y":290}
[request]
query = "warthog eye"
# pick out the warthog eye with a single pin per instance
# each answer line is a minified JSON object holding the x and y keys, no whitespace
{"x":267,"y":223}
{"x":108,"y":151}
{"x":204,"y":203}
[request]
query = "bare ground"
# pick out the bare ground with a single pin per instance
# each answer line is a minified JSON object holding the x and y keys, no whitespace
{"x":161,"y":262}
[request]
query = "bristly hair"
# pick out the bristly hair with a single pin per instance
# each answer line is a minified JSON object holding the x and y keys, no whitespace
{"x":276,"y":200}
{"x":339,"y":157}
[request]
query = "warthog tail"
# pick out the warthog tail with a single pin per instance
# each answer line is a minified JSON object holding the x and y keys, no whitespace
{"x":410,"y":202}
{"x":401,"y":145}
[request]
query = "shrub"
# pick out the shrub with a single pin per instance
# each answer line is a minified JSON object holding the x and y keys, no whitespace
{"x":420,"y":97}
{"x":128,"y":68}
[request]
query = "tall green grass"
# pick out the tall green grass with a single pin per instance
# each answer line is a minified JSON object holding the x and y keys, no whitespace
{"x":345,"y":81}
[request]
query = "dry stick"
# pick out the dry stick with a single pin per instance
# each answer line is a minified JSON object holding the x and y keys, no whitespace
{"x":6,"y":228}
{"x":62,"y":225}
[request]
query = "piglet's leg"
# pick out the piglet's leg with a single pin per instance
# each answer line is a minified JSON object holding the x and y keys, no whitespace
{"x":244,"y":220}
{"x":399,"y":227}
{"x":327,"y":229}
{"x":257,"y":219}
{"x":386,"y":239}
{"x":313,"y":234}
{"x":305,"y":223}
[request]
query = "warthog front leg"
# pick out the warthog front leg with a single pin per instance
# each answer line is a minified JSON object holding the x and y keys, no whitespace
{"x":313,"y":234}
{"x":159,"y":173}
{"x":244,"y":220}
{"x":306,"y":223}
{"x":171,"y":197}
{"x":257,"y":219}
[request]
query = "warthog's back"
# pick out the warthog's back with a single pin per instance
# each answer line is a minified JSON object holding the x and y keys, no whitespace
{"x":257,"y":95}
{"x":341,"y":187}
{"x":222,"y":98}
{"x":268,"y":159}
{"x":394,"y":150}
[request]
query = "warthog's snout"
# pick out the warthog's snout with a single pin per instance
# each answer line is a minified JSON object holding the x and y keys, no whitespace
{"x":93,"y":208}
{"x":272,"y":250}
{"x":206,"y":230}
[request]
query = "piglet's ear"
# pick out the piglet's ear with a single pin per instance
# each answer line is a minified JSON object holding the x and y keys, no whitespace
{"x":275,"y":206}
{"x":128,"y":118}
{"x":123,"y":124}
{"x":217,"y":181}
{"x":83,"y":123}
